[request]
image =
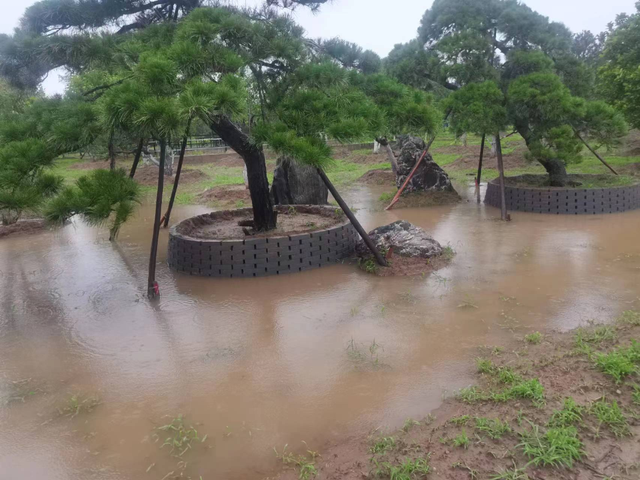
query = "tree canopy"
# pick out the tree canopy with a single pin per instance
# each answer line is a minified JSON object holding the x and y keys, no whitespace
{"x":619,"y":80}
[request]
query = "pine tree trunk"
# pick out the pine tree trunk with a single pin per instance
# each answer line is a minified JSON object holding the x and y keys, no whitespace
{"x":152,"y":290}
{"x":503,"y":200}
{"x":479,"y":176}
{"x":136,"y":159}
{"x":112,"y":151}
{"x":264,"y":217}
{"x":176,"y":180}
{"x":557,"y":172}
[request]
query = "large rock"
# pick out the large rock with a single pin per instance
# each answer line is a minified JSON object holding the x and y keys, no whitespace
{"x":428,"y":177}
{"x":295,"y":184}
{"x":406,"y":239}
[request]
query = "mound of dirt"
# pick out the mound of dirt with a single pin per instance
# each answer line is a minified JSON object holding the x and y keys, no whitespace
{"x":427,"y":199}
{"x":378,"y":177}
{"x":222,"y":159}
{"x":97,"y":165}
{"x":227,"y":195}
{"x":407,"y":267}
{"x":469,"y":162}
{"x":148,"y":175}
{"x":23,"y":226}
{"x":631,"y":169}
{"x":292,"y":219}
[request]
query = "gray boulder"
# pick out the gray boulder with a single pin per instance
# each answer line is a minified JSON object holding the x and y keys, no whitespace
{"x":428,"y":177}
{"x":296,"y":184}
{"x":406,"y":239}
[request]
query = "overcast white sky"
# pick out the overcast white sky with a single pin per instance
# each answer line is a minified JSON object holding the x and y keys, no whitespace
{"x":380,"y":24}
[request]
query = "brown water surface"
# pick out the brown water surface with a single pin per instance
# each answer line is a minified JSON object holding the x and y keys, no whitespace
{"x":260,"y":363}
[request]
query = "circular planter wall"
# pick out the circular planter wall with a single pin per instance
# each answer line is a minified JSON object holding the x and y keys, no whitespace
{"x":258,"y":256}
{"x":565,"y":201}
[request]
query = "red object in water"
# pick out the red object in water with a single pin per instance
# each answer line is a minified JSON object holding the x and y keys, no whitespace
{"x":406,"y":182}
{"x":156,"y":289}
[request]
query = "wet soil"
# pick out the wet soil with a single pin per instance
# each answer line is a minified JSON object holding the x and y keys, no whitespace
{"x":580,"y":181}
{"x":565,"y":369}
{"x":406,"y":267}
{"x":222,"y":159}
{"x":226,"y":196}
{"x":23,"y":227}
{"x":297,"y":219}
{"x":378,"y":177}
{"x":427,"y":199}
{"x":466,"y":162}
{"x":148,"y":175}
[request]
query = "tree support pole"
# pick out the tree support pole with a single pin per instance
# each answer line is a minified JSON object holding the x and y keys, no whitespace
{"x":136,"y":159}
{"x":406,"y":182}
{"x":594,"y":152}
{"x":152,"y":286}
{"x":503,"y":200}
{"x":354,"y":221}
{"x":174,"y":191}
{"x":479,"y":177}
{"x":112,"y":151}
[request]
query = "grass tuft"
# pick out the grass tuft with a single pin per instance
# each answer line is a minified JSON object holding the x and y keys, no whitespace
{"x":383,"y":445}
{"x":409,"y":469}
{"x":461,"y":440}
{"x":494,"y":428}
{"x":569,"y":415}
{"x":533,"y":338}
{"x":610,"y":415}
{"x":557,"y":447}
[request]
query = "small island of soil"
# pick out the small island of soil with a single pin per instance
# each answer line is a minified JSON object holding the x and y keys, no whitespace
{"x":292,"y":220}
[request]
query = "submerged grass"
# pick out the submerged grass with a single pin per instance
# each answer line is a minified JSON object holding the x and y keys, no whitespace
{"x":305,"y":464}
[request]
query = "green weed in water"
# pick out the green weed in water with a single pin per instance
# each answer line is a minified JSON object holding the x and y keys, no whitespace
{"x":180,"y":436}
{"x":383,"y":445}
{"x":305,"y":464}
{"x":533,"y":338}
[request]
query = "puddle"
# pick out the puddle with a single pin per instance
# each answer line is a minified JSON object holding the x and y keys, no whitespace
{"x":259,"y":363}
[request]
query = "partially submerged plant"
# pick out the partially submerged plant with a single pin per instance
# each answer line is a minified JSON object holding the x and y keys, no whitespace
{"x":304,"y":463}
{"x":78,"y":404}
{"x":534,"y":338}
{"x":180,"y":436}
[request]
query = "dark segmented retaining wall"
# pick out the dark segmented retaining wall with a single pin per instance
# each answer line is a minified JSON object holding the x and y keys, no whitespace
{"x":258,"y":257}
{"x":569,"y":201}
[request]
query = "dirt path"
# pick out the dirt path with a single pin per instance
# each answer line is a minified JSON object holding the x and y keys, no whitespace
{"x":556,"y":406}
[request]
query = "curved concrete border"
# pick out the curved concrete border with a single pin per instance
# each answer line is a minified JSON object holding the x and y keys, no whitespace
{"x":565,"y":201}
{"x":258,"y":257}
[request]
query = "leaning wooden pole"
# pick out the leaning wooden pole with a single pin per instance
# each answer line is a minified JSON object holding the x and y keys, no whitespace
{"x":136,"y":159}
{"x":503,"y":200}
{"x":594,"y":152}
{"x":406,"y":182}
{"x":354,"y":221}
{"x":479,"y":177}
{"x":152,"y":287}
{"x":176,"y":181}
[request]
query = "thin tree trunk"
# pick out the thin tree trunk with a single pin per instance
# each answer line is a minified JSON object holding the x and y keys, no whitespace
{"x":594,"y":152}
{"x":112,"y":151}
{"x":136,"y":159}
{"x":174,"y":191}
{"x":352,"y":218}
{"x":152,"y":286}
{"x":503,"y":200}
{"x":264,"y":217}
{"x":479,"y":177}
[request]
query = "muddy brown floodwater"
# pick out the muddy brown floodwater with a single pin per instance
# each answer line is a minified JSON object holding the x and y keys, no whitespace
{"x":259,"y":363}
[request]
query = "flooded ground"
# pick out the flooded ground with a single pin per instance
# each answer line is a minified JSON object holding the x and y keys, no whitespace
{"x":255,"y":364}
